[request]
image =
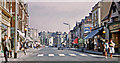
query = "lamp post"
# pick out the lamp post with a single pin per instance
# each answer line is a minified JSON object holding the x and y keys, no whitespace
{"x":68,"y":33}
{"x":25,"y":32}
{"x":68,"y":25}
{"x":15,"y":37}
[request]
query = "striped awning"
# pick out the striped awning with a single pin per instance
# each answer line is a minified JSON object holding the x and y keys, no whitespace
{"x":93,"y":33}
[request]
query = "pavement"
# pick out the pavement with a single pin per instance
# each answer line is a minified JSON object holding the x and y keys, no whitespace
{"x":20,"y":54}
{"x":93,"y":52}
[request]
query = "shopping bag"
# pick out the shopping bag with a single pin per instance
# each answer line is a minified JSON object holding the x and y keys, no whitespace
{"x":22,"y":49}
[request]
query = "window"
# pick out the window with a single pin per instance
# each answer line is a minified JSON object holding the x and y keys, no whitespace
{"x":115,"y":19}
{"x":1,"y":2}
{"x":7,"y":5}
{"x":114,"y":8}
{"x":96,"y":15}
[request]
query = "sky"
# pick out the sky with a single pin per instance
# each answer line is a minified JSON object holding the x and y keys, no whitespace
{"x":50,"y":16}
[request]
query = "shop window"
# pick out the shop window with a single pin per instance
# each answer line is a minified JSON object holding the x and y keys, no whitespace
{"x":115,"y":19}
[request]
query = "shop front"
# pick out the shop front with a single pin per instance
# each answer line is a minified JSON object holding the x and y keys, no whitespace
{"x":95,"y":39}
{"x":115,"y":35}
{"x":4,"y":25}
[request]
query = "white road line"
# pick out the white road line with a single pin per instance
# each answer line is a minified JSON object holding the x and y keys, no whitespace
{"x":39,"y":48}
{"x":93,"y":55}
{"x":50,"y":54}
{"x":100,"y":56}
{"x":40,"y":55}
{"x":72,"y":54}
{"x":62,"y":55}
{"x":83,"y":55}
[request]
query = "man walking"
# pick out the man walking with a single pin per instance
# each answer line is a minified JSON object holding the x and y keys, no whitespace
{"x":106,"y":47}
{"x":5,"y":47}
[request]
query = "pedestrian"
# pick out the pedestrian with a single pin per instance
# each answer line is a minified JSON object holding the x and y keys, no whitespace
{"x":103,"y":48}
{"x":111,"y":45}
{"x":23,"y":47}
{"x":10,"y":50}
{"x":106,"y":47}
{"x":5,"y":47}
{"x":34,"y":45}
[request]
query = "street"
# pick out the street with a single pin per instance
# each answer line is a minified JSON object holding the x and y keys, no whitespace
{"x":52,"y":54}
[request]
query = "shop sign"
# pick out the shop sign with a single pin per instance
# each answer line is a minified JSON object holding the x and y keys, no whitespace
{"x":114,"y":26}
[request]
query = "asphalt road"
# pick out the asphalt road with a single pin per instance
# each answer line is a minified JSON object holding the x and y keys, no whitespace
{"x":52,"y":54}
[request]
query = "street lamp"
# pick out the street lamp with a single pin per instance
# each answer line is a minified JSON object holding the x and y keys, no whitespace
{"x":68,"y":25}
{"x":26,"y":30}
{"x":68,"y":33}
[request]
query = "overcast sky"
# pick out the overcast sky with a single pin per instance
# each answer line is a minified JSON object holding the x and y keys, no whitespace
{"x":50,"y":16}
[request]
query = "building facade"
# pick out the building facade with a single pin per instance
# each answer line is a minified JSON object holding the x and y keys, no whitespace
{"x":112,"y":22}
{"x":22,"y":17}
{"x":5,"y":19}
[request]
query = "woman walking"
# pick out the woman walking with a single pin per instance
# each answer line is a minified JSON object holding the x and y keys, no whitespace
{"x":106,"y":47}
{"x":111,"y":45}
{"x":23,"y":47}
{"x":10,"y":50}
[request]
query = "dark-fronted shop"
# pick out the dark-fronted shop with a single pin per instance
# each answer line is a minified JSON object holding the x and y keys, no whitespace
{"x":115,"y":34}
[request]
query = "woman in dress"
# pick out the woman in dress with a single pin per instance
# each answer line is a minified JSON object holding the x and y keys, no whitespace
{"x":111,"y":45}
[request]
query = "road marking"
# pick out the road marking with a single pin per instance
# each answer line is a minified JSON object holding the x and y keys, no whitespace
{"x":72,"y":54}
{"x":39,"y":48}
{"x":83,"y":55}
{"x":100,"y":56}
{"x":40,"y":55}
{"x":93,"y":55}
{"x":62,"y":55}
{"x":46,"y":46}
{"x":50,"y":54}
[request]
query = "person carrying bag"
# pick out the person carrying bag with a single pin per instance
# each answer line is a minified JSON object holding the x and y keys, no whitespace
{"x":5,"y":47}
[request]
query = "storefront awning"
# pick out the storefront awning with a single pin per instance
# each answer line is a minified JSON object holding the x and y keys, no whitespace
{"x":21,"y":34}
{"x":93,"y":33}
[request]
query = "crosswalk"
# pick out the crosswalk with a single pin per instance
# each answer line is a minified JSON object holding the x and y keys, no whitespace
{"x":72,"y":55}
{"x":62,"y":55}
{"x":40,"y":55}
{"x":83,"y":55}
{"x":51,"y":55}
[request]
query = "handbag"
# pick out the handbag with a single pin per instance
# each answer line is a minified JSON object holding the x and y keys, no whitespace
{"x":22,"y":49}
